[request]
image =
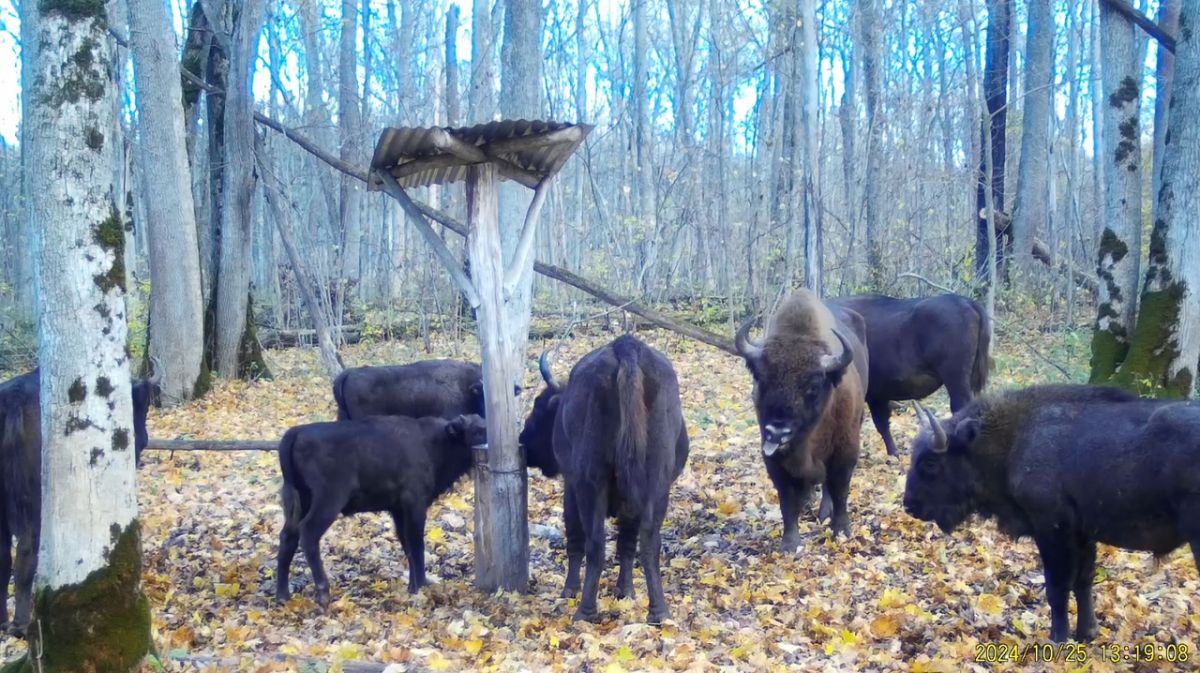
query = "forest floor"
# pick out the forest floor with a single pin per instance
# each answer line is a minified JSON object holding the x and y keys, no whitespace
{"x":897,"y":596}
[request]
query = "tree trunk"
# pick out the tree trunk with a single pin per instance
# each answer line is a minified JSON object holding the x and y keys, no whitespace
{"x":995,"y":91}
{"x":872,"y":49}
{"x":89,"y":610}
{"x":1164,"y":75}
{"x":176,"y":308}
{"x":643,"y":168}
{"x":520,"y":98}
{"x":233,"y":285}
{"x":194,"y":62}
{"x":1119,"y":253}
{"x":501,"y":507}
{"x":305,"y":281}
{"x":453,"y":106}
{"x":349,"y":126}
{"x":481,"y":103}
{"x":810,"y":59}
{"x":1165,"y":350}
{"x":1031,"y":208}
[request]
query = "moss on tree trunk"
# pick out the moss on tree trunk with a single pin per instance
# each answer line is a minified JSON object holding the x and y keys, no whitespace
{"x":1144,"y":370}
{"x":1108,"y":352}
{"x":100,"y":624}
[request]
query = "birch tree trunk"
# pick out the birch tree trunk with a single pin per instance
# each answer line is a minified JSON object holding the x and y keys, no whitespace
{"x":176,"y":308}
{"x":643,"y":168}
{"x":1031,"y":208}
{"x":233,"y":284}
{"x":1165,"y":349}
{"x":89,"y":611}
{"x":1119,"y":253}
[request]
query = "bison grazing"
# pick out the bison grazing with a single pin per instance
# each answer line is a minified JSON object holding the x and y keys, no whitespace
{"x":916,"y":346}
{"x":389,"y":464}
{"x":808,"y":394}
{"x":1069,"y":466}
{"x":443,"y":388}
{"x":616,"y":431}
{"x":21,"y":480}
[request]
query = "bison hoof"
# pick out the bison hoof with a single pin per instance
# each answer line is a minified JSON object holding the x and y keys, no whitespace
{"x":1085,"y":633}
{"x":587,"y":615}
{"x":840,"y":527}
{"x":15,"y":630}
{"x":570,"y":590}
{"x":789,"y":543}
{"x":657,"y":617}
{"x":624,"y":590}
{"x":323,"y":600}
{"x":282,"y":597}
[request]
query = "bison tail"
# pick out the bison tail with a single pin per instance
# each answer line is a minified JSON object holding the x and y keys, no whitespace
{"x":983,"y":358}
{"x":289,"y":493}
{"x":339,"y":396}
{"x":632,"y":429}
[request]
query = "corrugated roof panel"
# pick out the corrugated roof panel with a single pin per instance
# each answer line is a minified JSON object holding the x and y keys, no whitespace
{"x":416,"y":147}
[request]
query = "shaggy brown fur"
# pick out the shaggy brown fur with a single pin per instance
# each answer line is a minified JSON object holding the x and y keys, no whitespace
{"x":823,"y":412}
{"x":799,"y":340}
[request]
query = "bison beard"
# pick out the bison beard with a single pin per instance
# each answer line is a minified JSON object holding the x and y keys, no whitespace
{"x":21,"y":480}
{"x":389,"y":464}
{"x":616,"y":432}
{"x":1070,"y":466}
{"x":808,"y":397}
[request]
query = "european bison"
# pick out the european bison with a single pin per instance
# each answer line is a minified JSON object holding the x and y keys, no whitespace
{"x":808,"y":395}
{"x":916,"y":346}
{"x":616,"y":431}
{"x":21,"y":480}
{"x":442,"y":388}
{"x":392,"y":464}
{"x":1070,"y":466}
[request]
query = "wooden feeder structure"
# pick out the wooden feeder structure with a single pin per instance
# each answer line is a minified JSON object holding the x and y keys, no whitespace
{"x":530,"y":153}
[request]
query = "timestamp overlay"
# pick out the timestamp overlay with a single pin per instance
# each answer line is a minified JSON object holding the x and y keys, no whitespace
{"x":1083,"y":654}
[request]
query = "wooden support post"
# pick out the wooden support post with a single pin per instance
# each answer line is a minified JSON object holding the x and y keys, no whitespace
{"x":501,"y":529}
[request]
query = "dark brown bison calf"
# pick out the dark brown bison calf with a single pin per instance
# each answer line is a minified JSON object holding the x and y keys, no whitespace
{"x":389,"y":464}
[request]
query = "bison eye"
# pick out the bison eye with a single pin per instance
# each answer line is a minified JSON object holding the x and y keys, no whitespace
{"x":930,"y":467}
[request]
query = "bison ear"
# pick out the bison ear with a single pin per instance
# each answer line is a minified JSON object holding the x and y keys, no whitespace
{"x":965,"y":433}
{"x":456,"y":428}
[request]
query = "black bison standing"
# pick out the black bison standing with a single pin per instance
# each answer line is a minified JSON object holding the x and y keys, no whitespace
{"x":916,"y":346}
{"x":616,"y":431}
{"x":21,"y":480}
{"x":1069,"y":466}
{"x":443,"y":388}
{"x":389,"y":464}
{"x":809,"y":376}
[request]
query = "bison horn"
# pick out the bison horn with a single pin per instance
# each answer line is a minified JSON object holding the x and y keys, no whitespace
{"x":544,"y":368}
{"x":156,"y":371}
{"x":749,"y":349}
{"x":844,"y":359}
{"x":927,"y":419}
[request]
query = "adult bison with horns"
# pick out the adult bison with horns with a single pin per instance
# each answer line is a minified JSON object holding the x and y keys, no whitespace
{"x":1069,"y":466}
{"x":616,"y":431}
{"x":809,"y":375}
